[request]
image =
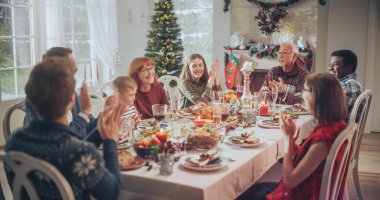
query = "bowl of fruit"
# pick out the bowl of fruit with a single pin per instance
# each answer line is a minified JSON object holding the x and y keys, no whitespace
{"x":144,"y":142}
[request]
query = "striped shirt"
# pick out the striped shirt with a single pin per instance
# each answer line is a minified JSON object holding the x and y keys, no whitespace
{"x":130,"y":112}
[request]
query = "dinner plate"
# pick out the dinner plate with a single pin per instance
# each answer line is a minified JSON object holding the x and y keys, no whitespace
{"x":217,"y":164}
{"x":183,"y":114}
{"x":246,"y":145}
{"x":137,"y":163}
{"x":302,"y":112}
{"x":267,"y":124}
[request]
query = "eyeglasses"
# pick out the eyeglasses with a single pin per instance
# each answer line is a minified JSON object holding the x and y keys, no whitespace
{"x":284,"y":53}
{"x":148,"y":70}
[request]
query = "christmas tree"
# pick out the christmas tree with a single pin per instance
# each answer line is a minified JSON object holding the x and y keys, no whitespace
{"x":164,"y":43}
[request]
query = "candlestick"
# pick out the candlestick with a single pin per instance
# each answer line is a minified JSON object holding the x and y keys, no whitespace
{"x":85,"y":75}
{"x":97,"y":72}
{"x":90,"y":75}
{"x":247,"y":69}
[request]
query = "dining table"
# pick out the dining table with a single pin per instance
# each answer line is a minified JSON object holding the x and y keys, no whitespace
{"x":243,"y":168}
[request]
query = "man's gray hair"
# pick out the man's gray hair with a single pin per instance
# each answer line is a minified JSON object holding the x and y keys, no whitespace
{"x":292,"y":45}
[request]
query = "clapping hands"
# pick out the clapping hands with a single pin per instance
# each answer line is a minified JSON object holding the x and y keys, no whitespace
{"x":280,"y":84}
{"x":110,"y":119}
{"x":288,"y":127}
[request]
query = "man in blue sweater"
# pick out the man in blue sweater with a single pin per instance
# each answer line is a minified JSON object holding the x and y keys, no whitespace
{"x":81,"y":121}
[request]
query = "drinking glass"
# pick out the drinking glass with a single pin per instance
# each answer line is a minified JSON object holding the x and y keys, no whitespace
{"x":274,"y":96}
{"x":239,"y":90}
{"x":217,"y":96}
{"x":263,"y":97}
{"x":159,"y":111}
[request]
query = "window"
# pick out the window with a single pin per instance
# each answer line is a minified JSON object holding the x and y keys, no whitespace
{"x":195,"y":18}
{"x":77,"y":37}
{"x":16,"y":46}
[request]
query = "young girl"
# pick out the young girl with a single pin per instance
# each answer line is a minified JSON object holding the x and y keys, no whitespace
{"x":196,"y":82}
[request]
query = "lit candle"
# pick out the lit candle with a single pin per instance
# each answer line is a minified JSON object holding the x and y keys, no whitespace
{"x":263,"y":109}
{"x":162,"y":136}
{"x":199,"y":121}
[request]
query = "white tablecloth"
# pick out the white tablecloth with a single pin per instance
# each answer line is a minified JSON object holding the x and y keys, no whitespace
{"x":227,"y":183}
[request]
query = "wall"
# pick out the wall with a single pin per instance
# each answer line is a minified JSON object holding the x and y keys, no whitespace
{"x":300,"y":21}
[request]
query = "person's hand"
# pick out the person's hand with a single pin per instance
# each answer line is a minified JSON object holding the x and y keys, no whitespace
{"x":137,"y":118}
{"x":287,"y":126}
{"x":85,"y":101}
{"x":280,"y":84}
{"x":109,"y":120}
{"x":197,"y":106}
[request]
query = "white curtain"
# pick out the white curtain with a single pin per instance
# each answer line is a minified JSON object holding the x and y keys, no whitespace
{"x":103,"y":35}
{"x":51,"y":26}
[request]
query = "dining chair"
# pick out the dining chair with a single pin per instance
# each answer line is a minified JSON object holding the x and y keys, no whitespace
{"x":8,"y":116}
{"x":97,"y":104}
{"x":335,"y":171}
{"x":23,"y":165}
{"x":104,"y":89}
{"x":359,"y":115}
{"x":172,"y":90}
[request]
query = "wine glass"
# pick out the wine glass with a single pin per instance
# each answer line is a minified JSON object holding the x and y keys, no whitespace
{"x":159,"y":112}
{"x":274,"y":96}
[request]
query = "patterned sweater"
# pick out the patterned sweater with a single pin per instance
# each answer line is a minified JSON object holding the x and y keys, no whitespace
{"x":79,"y":161}
{"x":294,"y":81}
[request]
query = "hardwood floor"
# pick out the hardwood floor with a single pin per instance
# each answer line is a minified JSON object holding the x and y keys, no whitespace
{"x":369,"y":168}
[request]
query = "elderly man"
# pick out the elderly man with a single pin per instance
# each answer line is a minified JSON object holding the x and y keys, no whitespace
{"x":288,"y":77}
{"x":343,"y":64}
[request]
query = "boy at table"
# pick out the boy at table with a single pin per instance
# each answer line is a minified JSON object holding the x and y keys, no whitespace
{"x":50,"y":89}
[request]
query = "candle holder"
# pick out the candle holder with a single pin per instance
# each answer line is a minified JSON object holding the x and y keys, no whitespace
{"x":247,"y":69}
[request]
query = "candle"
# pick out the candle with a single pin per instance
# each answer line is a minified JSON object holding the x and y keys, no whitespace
{"x":199,"y":121}
{"x":162,"y":136}
{"x":263,"y":110}
{"x":90,"y":74}
{"x":85,"y":68}
{"x":97,"y":72}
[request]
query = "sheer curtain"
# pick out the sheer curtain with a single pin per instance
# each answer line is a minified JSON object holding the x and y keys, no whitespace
{"x":51,"y":26}
{"x":103,"y":34}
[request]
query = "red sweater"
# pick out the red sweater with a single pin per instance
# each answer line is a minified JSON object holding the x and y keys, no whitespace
{"x":145,"y":100}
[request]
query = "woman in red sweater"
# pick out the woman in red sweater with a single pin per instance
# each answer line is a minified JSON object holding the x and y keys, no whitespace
{"x":303,"y":165}
{"x":149,"y":91}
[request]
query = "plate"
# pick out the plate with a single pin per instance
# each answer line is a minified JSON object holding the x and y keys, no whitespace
{"x":268,"y":124}
{"x":139,"y":162}
{"x":229,"y":141}
{"x":302,"y":112}
{"x":218,"y":164}
{"x":183,"y":114}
